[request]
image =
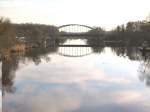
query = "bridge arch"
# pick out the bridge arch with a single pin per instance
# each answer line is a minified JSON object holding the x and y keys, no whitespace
{"x":75,"y":25}
{"x":74,"y":28}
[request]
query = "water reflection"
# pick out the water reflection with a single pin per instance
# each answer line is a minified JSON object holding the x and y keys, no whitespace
{"x":74,"y":51}
{"x":36,"y":55}
{"x":43,"y":80}
{"x":144,"y":68}
{"x":78,"y":51}
{"x":9,"y":67}
{"x":11,"y":64}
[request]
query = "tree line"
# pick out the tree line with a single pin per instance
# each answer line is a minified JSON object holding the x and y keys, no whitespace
{"x":131,"y":34}
{"x":12,"y":34}
{"x":35,"y":33}
{"x":7,"y":33}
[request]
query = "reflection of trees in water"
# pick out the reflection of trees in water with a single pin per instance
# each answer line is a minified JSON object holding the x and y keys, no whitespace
{"x":97,"y":49}
{"x":132,"y":53}
{"x":144,"y":69}
{"x":11,"y":64}
{"x":136,"y":55}
{"x":119,"y":51}
{"x":40,"y":53}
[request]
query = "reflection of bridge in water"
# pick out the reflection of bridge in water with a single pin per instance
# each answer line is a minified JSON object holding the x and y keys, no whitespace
{"x":74,"y":51}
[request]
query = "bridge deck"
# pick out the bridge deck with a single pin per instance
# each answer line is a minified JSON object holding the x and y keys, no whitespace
{"x":79,"y":35}
{"x":79,"y":45}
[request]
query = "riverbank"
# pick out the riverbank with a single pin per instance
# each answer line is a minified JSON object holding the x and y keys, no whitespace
{"x":5,"y":53}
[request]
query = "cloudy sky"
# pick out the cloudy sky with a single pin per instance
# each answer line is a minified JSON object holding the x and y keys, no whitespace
{"x":104,"y":13}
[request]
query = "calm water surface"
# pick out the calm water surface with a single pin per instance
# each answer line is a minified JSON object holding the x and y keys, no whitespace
{"x":76,"y":80}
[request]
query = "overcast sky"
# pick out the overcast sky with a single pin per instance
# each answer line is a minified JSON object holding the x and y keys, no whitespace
{"x":104,"y":13}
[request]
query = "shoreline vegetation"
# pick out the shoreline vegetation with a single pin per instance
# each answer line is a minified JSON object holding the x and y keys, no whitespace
{"x":20,"y":37}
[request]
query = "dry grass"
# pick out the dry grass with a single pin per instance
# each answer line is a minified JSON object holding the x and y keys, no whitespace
{"x":18,"y":48}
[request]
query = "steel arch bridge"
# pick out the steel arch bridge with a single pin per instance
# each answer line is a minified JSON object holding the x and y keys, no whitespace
{"x":74,"y":30}
{"x":75,"y":25}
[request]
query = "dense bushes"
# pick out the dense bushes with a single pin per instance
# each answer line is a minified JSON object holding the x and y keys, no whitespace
{"x":134,"y":34}
{"x":7,"y":34}
{"x":35,"y":33}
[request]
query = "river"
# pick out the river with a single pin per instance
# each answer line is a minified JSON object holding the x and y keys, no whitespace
{"x":76,"y":79}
